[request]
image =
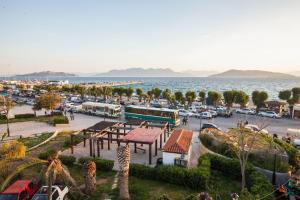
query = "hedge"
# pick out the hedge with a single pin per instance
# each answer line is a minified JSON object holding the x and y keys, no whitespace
{"x":60,"y":120}
{"x":2,"y":117}
{"x":257,"y":183}
{"x":101,"y":164}
{"x":24,"y":116}
{"x":47,"y":154}
{"x":193,"y":178}
{"x":292,"y":152}
{"x":67,"y":160}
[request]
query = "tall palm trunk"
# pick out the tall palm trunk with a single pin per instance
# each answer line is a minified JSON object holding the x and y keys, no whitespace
{"x":90,"y":177}
{"x":124,"y":160}
{"x":7,"y":126}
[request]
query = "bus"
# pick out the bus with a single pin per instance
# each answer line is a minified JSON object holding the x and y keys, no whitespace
{"x":152,"y":114}
{"x":102,"y":109}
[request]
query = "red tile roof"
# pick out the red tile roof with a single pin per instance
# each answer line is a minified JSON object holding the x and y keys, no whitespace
{"x":145,"y":135}
{"x":179,"y":142}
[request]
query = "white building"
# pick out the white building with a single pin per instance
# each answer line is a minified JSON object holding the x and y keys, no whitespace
{"x":177,"y":150}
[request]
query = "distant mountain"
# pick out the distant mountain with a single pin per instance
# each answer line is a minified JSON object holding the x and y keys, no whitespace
{"x":46,"y":74}
{"x":295,"y":73}
{"x":233,"y":73}
{"x":140,"y":72}
{"x":154,"y":72}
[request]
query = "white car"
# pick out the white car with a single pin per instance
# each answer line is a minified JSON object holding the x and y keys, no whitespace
{"x":255,"y":128}
{"x":185,"y":113}
{"x":58,"y":193}
{"x":203,"y":115}
{"x":246,"y":111}
{"x":213,"y":113}
{"x":271,"y":114}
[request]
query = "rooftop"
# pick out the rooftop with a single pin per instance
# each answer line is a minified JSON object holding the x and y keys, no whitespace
{"x":17,"y":187}
{"x":143,"y":135}
{"x":179,"y":142}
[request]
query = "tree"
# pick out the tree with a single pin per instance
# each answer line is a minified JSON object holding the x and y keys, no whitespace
{"x":129,"y":92}
{"x":107,"y":92}
{"x":166,"y":94}
{"x":156,"y":93}
{"x":123,"y":154}
{"x":140,"y":92}
{"x":12,"y":149}
{"x":36,"y":106}
{"x":119,"y":91}
{"x":296,"y":94}
{"x":93,"y":91}
{"x":179,"y":96}
{"x":190,"y":96}
{"x":285,"y":95}
{"x":202,"y":96}
{"x":214,"y":97}
{"x":6,"y":105}
{"x":244,"y":143}
{"x":49,"y":101}
{"x":241,"y":98}
{"x":90,"y":177}
{"x":259,"y":98}
{"x":81,"y":90}
{"x":229,"y":97}
{"x":150,"y":94}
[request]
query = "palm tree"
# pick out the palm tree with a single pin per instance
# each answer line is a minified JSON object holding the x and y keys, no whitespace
{"x":123,"y":153}
{"x":229,"y":97}
{"x":54,"y":169}
{"x":166,"y":94}
{"x":90,"y":177}
{"x":241,"y":98}
{"x":129,"y":92}
{"x":156,"y":93}
{"x":140,"y":92}
{"x":190,"y":97}
{"x":214,"y":97}
{"x":202,"y":96}
{"x":150,"y":94}
{"x":107,"y":92}
{"x":179,"y":96}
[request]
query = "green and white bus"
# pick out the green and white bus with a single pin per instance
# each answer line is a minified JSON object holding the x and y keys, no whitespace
{"x":152,"y":114}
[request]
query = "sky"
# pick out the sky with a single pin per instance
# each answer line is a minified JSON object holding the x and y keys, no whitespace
{"x":99,"y":35}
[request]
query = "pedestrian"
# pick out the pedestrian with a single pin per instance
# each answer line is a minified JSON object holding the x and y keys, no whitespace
{"x":45,"y":112}
{"x":65,"y":112}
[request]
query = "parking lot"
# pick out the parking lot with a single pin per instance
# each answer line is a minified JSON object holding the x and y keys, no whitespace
{"x":275,"y":126}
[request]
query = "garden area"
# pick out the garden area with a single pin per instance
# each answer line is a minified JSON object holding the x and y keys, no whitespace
{"x":261,"y":153}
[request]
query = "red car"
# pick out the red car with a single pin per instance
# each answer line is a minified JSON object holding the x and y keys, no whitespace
{"x":19,"y":190}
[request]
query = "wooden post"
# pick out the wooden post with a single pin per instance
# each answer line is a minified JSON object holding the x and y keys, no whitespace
{"x":94,"y":153}
{"x":135,"y":147}
{"x":156,"y":147}
{"x":98,"y":148}
{"x":150,"y":154}
{"x":164,"y":136}
{"x":160,"y":141}
{"x":108,"y":142}
{"x":124,"y":129}
{"x":91,"y":152}
{"x":101,"y":143}
{"x":72,"y":148}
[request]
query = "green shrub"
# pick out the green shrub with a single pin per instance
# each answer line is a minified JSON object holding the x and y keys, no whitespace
{"x":57,"y":113}
{"x":192,"y":178}
{"x":163,"y":197}
{"x":76,"y":140}
{"x":47,"y":154}
{"x":292,"y":152}
{"x":60,"y":120}
{"x":257,"y":183}
{"x":24,"y":116}
{"x":67,"y":160}
{"x":2,"y":117}
{"x":101,"y":164}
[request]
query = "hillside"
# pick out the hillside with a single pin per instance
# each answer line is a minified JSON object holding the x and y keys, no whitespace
{"x":251,"y":74}
{"x":46,"y":74}
{"x":140,"y":72}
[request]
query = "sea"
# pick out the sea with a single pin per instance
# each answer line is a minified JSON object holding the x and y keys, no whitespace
{"x":271,"y":86}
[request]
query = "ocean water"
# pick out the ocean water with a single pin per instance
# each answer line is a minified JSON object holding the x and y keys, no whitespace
{"x":272,"y":86}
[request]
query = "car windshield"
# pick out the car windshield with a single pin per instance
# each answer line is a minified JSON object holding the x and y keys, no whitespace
{"x":8,"y":196}
{"x":40,"y":197}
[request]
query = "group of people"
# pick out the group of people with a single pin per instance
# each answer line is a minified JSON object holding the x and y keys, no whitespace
{"x":72,"y":117}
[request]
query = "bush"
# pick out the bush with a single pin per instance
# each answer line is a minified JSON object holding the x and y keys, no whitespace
{"x":60,"y":120}
{"x":24,"y":116}
{"x":47,"y":154}
{"x":257,"y":183}
{"x":76,"y":140}
{"x":2,"y":117}
{"x":292,"y":152}
{"x":192,"y":178}
{"x":101,"y":164}
{"x":67,"y":160}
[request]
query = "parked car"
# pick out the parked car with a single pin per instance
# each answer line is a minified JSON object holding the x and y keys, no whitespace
{"x":209,"y":125}
{"x":246,"y":111}
{"x":255,"y":128}
{"x":224,"y":112}
{"x":271,"y":114}
{"x":58,"y":193}
{"x":203,"y":115}
{"x":213,"y":113}
{"x":185,"y":113}
{"x":19,"y":190}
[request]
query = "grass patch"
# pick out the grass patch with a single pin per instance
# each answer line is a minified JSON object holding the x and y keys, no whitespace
{"x":32,"y":141}
{"x":42,"y":118}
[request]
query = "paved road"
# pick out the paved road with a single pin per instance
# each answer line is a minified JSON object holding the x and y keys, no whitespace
{"x":278,"y":126}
